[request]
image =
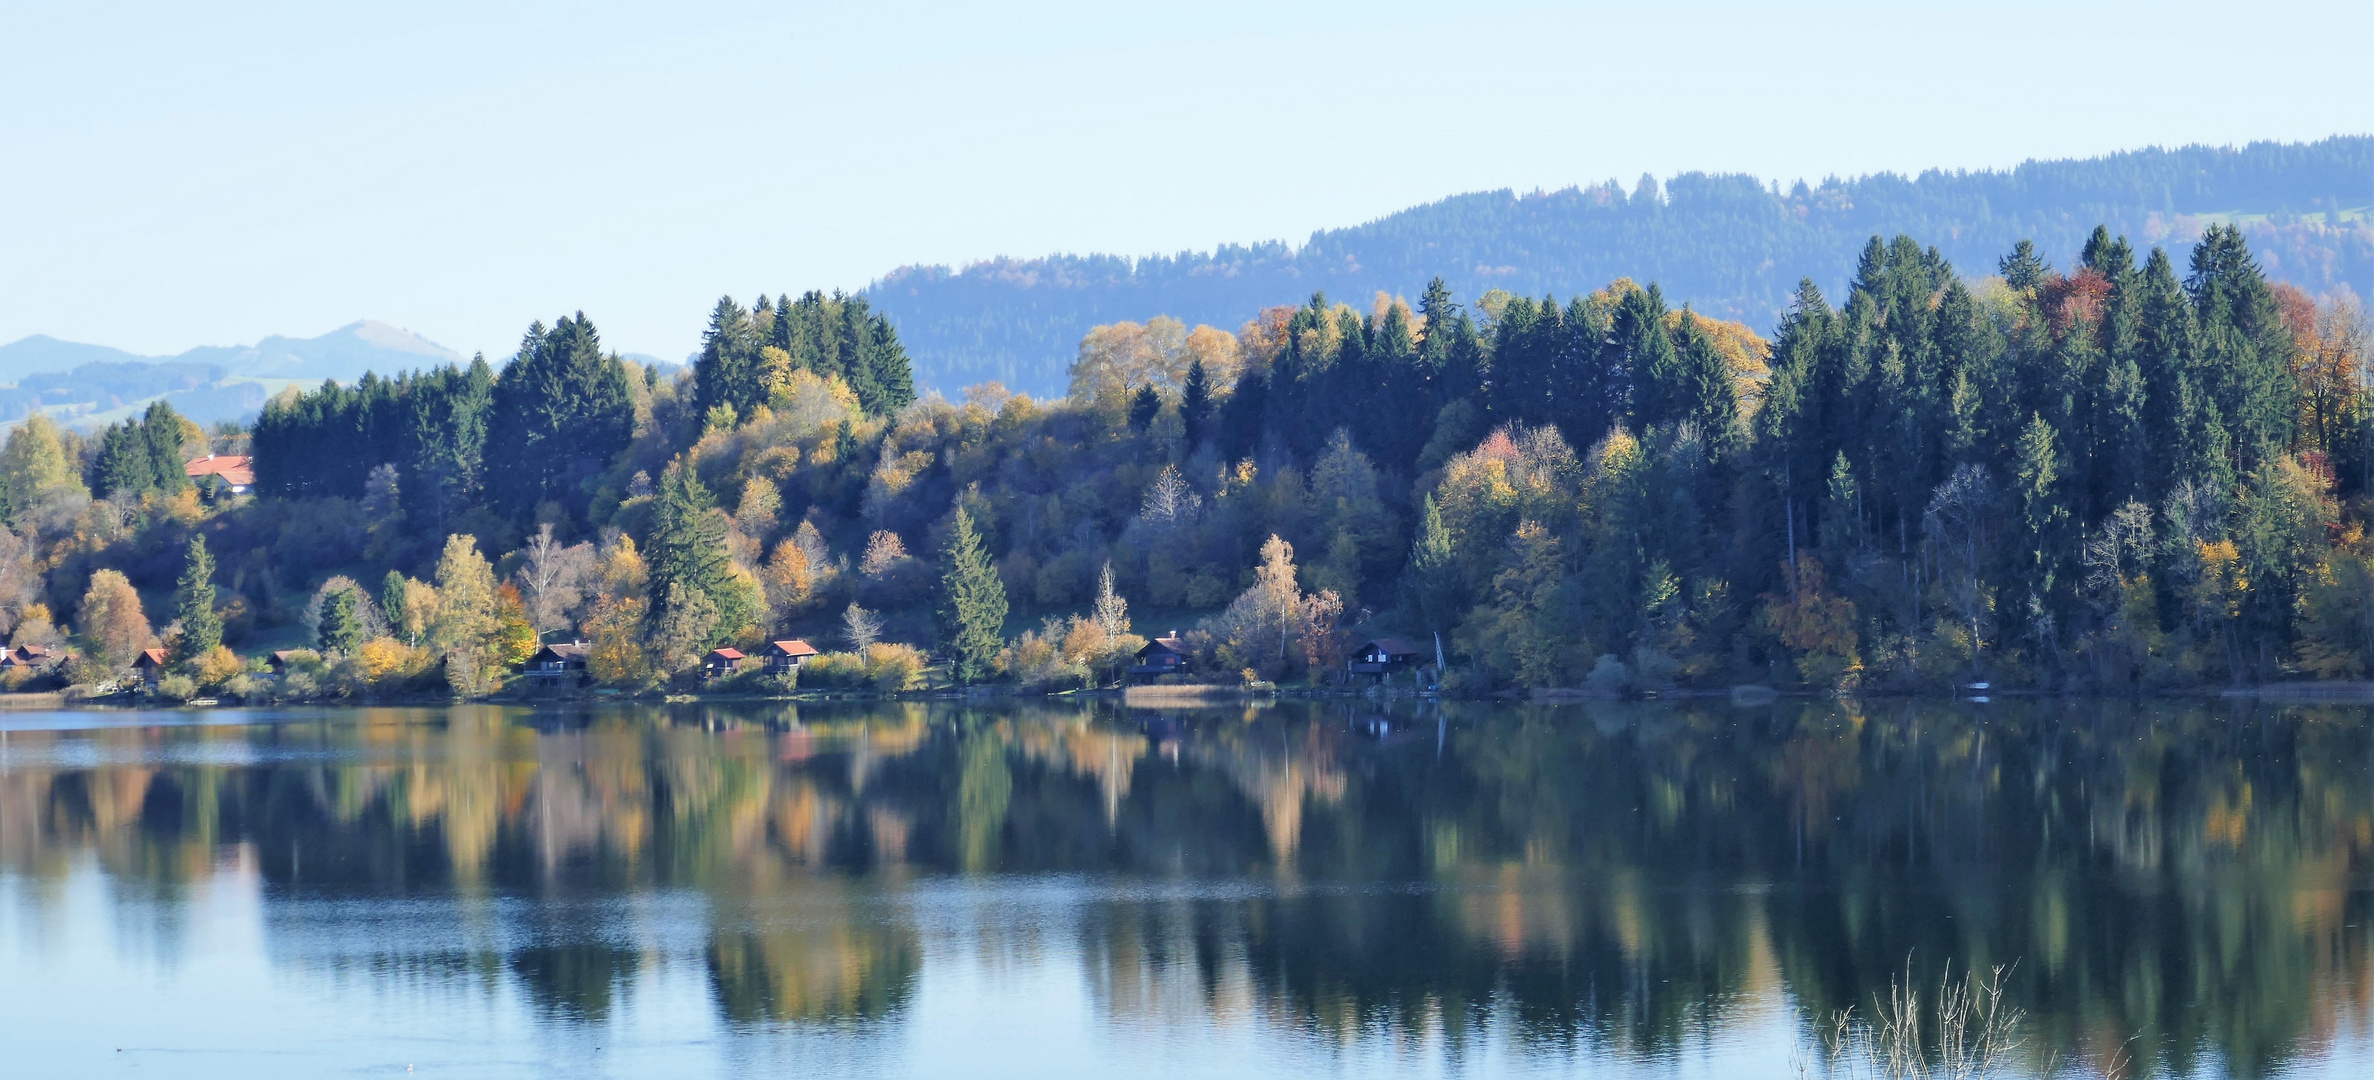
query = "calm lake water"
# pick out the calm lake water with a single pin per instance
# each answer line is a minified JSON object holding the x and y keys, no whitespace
{"x":1302,"y":890}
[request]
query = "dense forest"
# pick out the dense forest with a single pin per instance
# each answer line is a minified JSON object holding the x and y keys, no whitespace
{"x":2138,"y":471}
{"x":1735,"y":245}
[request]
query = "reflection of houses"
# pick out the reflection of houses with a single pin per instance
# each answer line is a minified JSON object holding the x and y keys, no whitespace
{"x":785,"y":657}
{"x":721,"y":662}
{"x":237,"y":471}
{"x":150,"y":665}
{"x":559,"y":661}
{"x":1384,"y":656}
{"x":1165,"y":655}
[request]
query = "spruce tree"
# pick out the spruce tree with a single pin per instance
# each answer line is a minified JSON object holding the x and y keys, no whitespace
{"x":688,"y":556}
{"x":1195,"y":403}
{"x":341,"y":629}
{"x":971,"y":613}
{"x":201,"y":624}
{"x":561,"y":410}
{"x":161,"y":428}
{"x":1144,"y":406}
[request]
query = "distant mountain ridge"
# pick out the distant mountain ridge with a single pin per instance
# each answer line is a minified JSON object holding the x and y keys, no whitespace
{"x":208,"y":383}
{"x":1732,"y":245}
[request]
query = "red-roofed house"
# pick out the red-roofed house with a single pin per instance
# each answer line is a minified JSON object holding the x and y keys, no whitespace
{"x":151,"y":666}
{"x":785,"y":657}
{"x":238,"y":471}
{"x":721,"y":662}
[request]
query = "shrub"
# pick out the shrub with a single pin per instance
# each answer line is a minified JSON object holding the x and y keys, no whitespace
{"x":894,"y":667}
{"x":177,"y":687}
{"x":216,"y":667}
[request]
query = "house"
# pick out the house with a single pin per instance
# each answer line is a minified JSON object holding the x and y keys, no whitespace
{"x":785,"y":657}
{"x":558,"y":661}
{"x":29,"y":658}
{"x":281,"y":660}
{"x":1166,"y":655}
{"x":150,"y":664}
{"x":1384,"y":656}
{"x":721,"y":662}
{"x":238,"y":471}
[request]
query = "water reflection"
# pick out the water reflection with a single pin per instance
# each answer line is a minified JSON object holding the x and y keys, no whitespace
{"x":1482,"y":886}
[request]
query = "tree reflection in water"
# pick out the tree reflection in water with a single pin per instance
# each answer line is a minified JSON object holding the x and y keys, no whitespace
{"x":2188,"y":881}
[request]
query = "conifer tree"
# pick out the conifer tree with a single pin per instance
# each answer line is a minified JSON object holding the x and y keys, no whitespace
{"x":1144,"y":406}
{"x":1195,"y":403}
{"x":193,"y":600}
{"x":972,"y":602}
{"x":565,"y":411}
{"x":688,"y":560}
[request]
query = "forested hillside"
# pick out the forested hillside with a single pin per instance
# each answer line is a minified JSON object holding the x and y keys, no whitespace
{"x":1732,"y":245}
{"x":2131,"y":471}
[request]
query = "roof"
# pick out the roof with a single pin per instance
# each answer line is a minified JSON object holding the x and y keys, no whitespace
{"x":154,"y":656}
{"x":237,"y":470}
{"x":566,"y":650}
{"x":793,"y":647}
{"x":284,"y":655}
{"x":1394,"y":646}
{"x":1168,"y":644}
{"x":724,"y":654}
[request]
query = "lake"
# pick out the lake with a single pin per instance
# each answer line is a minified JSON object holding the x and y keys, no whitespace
{"x":1690,"y":889}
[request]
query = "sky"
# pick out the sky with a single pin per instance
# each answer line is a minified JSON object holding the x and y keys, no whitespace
{"x":174,"y":175}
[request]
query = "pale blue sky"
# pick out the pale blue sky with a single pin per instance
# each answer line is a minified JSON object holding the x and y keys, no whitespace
{"x":172,"y":175}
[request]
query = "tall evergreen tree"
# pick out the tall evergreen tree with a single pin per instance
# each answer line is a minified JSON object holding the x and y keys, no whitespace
{"x":193,"y":599}
{"x":687,"y":554}
{"x":1195,"y":403}
{"x":972,"y":602}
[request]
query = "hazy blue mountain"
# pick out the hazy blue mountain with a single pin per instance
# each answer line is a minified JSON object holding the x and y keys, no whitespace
{"x":42,"y":352}
{"x":1732,"y":245}
{"x":208,"y":383}
{"x":343,"y":354}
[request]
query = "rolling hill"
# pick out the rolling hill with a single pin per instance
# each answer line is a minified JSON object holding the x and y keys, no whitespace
{"x":91,"y":384}
{"x":1732,"y":245}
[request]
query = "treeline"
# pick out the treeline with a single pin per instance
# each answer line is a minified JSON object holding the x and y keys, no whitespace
{"x":2115,"y":475}
{"x":1734,"y":244}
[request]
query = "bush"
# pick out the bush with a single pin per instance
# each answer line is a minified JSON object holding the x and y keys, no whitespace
{"x":177,"y":687}
{"x":887,"y":667}
{"x":894,"y":667}
{"x":216,"y":668}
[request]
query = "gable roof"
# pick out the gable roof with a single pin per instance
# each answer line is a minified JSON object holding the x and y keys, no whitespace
{"x":238,"y":470}
{"x":1166,"y":644}
{"x":793,"y":647}
{"x":724,"y":654}
{"x":566,"y":650}
{"x":153,"y":656}
{"x":1393,"y":646}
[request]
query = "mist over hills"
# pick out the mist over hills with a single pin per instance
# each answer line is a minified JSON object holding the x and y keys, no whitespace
{"x":87,"y":384}
{"x":1730,"y":244}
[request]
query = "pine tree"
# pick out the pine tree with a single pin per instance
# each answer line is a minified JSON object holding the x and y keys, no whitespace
{"x":688,"y":559}
{"x":564,"y":411}
{"x":162,"y":429}
{"x":1144,"y":406}
{"x":1195,"y":403}
{"x":201,"y":624}
{"x":1434,"y":571}
{"x":972,"y":603}
{"x":341,"y":629}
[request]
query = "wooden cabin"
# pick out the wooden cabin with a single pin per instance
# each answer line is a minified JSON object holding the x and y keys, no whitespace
{"x":785,"y":657}
{"x":559,"y":661}
{"x":281,"y":659}
{"x":150,"y":665}
{"x":721,"y":662}
{"x":1166,"y":655}
{"x":1384,"y":656}
{"x":29,"y":658}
